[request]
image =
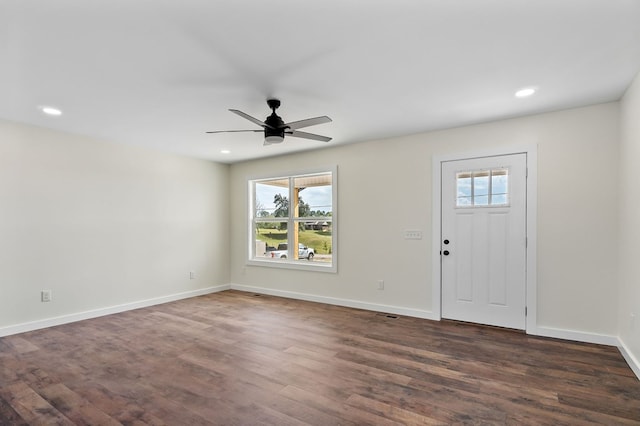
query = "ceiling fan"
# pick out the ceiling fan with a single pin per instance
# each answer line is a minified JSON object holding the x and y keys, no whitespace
{"x":275,"y":128}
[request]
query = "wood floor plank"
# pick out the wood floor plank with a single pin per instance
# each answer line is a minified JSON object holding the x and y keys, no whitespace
{"x":125,"y":406}
{"x":181,"y":322}
{"x":235,"y":358}
{"x":9,"y":416}
{"x":20,"y":345}
{"x":335,"y":407}
{"x":320,"y":361}
{"x":31,"y":407}
{"x":76,"y":408}
{"x":384,"y":410}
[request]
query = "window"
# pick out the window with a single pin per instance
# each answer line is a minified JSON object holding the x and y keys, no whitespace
{"x":482,"y":188}
{"x":293,"y":211}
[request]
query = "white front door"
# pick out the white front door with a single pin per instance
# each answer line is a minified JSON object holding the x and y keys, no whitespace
{"x":483,"y":240}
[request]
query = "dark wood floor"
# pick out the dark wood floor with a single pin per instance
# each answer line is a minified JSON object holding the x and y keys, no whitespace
{"x":235,"y":358}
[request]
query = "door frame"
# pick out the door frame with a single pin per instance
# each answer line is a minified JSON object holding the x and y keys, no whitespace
{"x":531,"y":152}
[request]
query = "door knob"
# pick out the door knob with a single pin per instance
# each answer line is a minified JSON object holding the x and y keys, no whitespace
{"x":446,"y":241}
{"x":446,"y":252}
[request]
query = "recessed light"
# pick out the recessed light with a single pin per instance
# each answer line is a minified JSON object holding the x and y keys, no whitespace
{"x":525,"y":92}
{"x":50,"y":110}
{"x":225,"y":151}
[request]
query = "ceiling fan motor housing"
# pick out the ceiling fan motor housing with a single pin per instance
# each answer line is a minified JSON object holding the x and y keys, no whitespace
{"x":277,"y":127}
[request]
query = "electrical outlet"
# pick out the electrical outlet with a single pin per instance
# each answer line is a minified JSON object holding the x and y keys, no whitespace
{"x":45,"y":296}
{"x":192,"y":275}
{"x":380,"y":284}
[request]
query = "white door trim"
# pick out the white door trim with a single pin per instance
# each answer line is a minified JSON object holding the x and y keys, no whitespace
{"x":532,"y":220}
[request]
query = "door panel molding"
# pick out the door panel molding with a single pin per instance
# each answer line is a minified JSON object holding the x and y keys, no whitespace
{"x":531,"y":225}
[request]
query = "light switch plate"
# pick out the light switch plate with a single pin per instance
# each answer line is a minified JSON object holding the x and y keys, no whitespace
{"x":413,"y":234}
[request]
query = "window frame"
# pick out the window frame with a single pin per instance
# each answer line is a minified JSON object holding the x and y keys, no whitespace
{"x":291,"y":221}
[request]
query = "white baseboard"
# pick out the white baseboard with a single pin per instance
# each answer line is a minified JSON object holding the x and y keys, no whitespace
{"x":633,"y":362}
{"x":576,"y":336}
{"x":418,"y":313}
{"x":64,"y":319}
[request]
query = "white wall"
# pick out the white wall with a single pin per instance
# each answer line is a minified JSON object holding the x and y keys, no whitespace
{"x":102,"y":224}
{"x":384,"y":187}
{"x":629,"y":245}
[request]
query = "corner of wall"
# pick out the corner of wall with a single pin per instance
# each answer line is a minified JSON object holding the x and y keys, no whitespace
{"x":633,"y":362}
{"x":629,"y":227}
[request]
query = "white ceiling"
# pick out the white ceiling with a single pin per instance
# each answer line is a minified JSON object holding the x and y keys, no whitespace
{"x":160,"y":73}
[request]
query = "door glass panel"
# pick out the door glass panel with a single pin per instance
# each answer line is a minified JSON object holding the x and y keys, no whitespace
{"x":482,"y":188}
{"x":499,"y":187}
{"x":463,"y":184}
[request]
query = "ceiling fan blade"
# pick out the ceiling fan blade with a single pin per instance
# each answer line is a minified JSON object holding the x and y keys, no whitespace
{"x":308,"y":122}
{"x":233,"y":131}
{"x":250,"y":118}
{"x":305,"y":135}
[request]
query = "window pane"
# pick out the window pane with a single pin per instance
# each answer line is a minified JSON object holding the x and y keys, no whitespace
{"x":465,"y":201}
{"x":317,"y":237}
{"x":499,"y":187}
{"x":272,"y":198}
{"x":499,"y":200}
{"x":481,"y":200}
{"x":482,"y":188}
{"x":271,"y":239}
{"x":481,"y":183}
{"x":315,"y":210}
{"x":314,"y":195}
{"x":463,"y":188}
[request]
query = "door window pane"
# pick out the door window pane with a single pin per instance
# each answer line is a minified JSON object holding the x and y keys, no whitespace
{"x":482,"y":188}
{"x":463,"y":184}
{"x":499,"y":187}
